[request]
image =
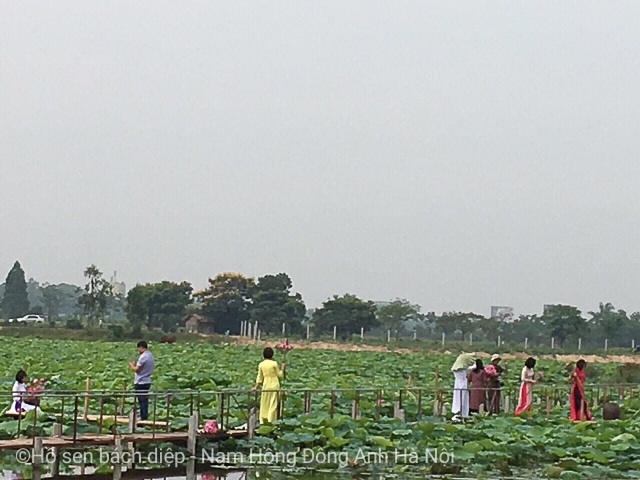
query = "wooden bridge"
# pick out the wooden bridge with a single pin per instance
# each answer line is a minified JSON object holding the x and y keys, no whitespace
{"x":97,"y":418}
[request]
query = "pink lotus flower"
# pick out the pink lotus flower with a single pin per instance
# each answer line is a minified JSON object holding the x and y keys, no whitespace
{"x":491,"y":371}
{"x":211,"y":427}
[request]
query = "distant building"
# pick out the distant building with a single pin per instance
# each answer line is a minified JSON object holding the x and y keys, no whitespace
{"x":503,"y":313}
{"x":195,"y":323}
{"x":118,"y":288}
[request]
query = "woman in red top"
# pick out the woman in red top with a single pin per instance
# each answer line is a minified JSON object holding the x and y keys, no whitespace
{"x":578,"y":400}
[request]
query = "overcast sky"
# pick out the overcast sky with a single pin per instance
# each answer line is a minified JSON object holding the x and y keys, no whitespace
{"x":458,"y":154}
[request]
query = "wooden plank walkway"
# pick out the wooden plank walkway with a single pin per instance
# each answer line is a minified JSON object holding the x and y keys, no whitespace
{"x":105,"y":440}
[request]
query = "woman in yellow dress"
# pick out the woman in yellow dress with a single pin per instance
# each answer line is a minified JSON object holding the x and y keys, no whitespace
{"x":269,"y":376}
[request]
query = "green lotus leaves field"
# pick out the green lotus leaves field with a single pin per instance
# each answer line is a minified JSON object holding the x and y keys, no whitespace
{"x":544,"y":444}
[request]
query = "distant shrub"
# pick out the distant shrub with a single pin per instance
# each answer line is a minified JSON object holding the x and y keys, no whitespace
{"x":74,"y":324}
{"x":116,"y":332}
{"x":168,"y":339}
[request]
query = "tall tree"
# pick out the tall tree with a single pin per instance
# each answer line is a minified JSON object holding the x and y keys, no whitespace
{"x":227,"y":301}
{"x":563,"y":321}
{"x":167,"y":303}
{"x":52,"y":300}
{"x":96,"y":292}
{"x":609,"y":322}
{"x":15,"y":302}
{"x":394,"y":315}
{"x":463,"y":322}
{"x":274,"y":305}
{"x":347,"y":313}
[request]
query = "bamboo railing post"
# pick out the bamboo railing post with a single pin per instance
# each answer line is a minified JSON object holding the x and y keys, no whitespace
{"x":85,"y":412}
{"x":75,"y":420}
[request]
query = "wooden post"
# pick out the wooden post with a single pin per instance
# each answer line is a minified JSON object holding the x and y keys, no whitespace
{"x":355,"y":409}
{"x":633,"y":344}
{"x":131,"y":445}
{"x":307,"y":402}
{"x":507,"y":403}
{"x":284,"y":328}
{"x":255,"y":331}
{"x":308,"y":331}
{"x":553,"y":343}
{"x":398,"y":412}
{"x":251,"y":424}
{"x":117,"y":467}
{"x":606,"y":344}
{"x":192,"y":435}
{"x":471,"y":339}
{"x":499,"y":340}
{"x":388,"y":336}
{"x":86,"y":399}
{"x":579,"y":344}
{"x":361,"y":333}
{"x":335,"y":333}
{"x":526,"y":342}
{"x":259,"y":335}
{"x":444,"y":336}
{"x":57,"y":433}
{"x":481,"y":409}
{"x":37,"y":458}
{"x":415,"y":334}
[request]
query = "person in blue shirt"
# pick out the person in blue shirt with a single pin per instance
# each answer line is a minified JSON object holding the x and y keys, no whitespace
{"x":143,"y":369}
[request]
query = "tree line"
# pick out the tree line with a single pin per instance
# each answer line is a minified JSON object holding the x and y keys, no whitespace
{"x":232,"y":298}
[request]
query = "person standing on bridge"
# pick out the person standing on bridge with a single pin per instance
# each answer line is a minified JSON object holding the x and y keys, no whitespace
{"x":269,"y":375}
{"x":460,"y":369}
{"x":143,"y":369}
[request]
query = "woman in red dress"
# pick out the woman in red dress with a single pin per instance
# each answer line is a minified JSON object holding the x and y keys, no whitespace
{"x":578,"y":400}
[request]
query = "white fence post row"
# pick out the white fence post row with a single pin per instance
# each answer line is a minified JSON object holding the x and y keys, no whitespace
{"x":471,"y":339}
{"x":388,"y":336}
{"x":606,"y":344}
{"x":499,"y":340}
{"x":579,"y":344}
{"x":444,"y":336}
{"x":255,"y":331}
{"x":335,"y":332}
{"x":362,"y":333}
{"x":308,"y":331}
{"x":284,"y":329}
{"x":553,"y":343}
{"x":526,"y":342}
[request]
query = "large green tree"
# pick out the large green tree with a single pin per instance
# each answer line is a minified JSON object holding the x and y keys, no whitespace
{"x":15,"y":302}
{"x":347,"y":313}
{"x":609,"y":323}
{"x":158,"y":305}
{"x":274,"y":305}
{"x":462,"y":322}
{"x":227,"y":301}
{"x":563,"y":321}
{"x":394,"y":315}
{"x":96,"y":293}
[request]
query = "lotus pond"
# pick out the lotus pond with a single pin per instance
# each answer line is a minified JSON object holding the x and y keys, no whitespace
{"x":544,"y":444}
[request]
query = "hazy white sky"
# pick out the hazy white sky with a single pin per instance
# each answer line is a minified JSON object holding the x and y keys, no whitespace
{"x":458,"y":154}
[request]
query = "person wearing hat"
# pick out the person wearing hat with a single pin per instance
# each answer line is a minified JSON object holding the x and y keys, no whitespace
{"x":460,"y":369}
{"x":494,"y":384}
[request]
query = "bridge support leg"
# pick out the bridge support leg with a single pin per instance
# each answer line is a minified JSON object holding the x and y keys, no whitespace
{"x":192,"y":435}
{"x":57,"y":432}
{"x":117,"y":467}
{"x":37,"y":458}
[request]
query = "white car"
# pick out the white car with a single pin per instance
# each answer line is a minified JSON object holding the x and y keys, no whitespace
{"x":31,"y":319}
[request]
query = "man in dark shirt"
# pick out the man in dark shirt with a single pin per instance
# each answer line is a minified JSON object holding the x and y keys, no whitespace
{"x":494,"y":385}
